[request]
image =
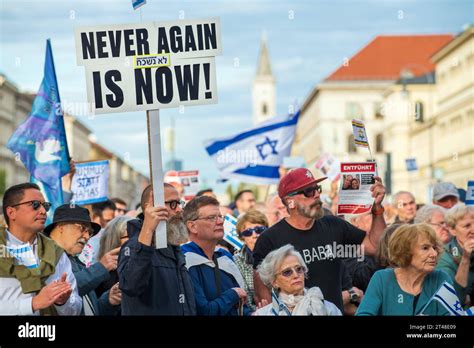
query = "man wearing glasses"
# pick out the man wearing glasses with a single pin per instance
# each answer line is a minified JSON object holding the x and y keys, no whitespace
{"x":315,"y":236}
{"x":71,"y":229}
{"x":35,"y":274}
{"x":155,"y":281}
{"x":218,"y":284}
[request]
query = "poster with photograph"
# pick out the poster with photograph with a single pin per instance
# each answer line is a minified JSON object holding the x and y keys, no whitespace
{"x":354,"y":190}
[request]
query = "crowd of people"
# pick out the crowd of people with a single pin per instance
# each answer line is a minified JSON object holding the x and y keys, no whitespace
{"x":298,"y":257}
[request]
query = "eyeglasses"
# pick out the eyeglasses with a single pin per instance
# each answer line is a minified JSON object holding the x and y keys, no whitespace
{"x":212,"y":218}
{"x":308,"y":192}
{"x":85,"y":229}
{"x":174,"y":204}
{"x":288,"y":272}
{"x":249,"y":231}
{"x":441,"y":224}
{"x":35,"y":204}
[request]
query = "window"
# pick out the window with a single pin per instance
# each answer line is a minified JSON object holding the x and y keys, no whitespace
{"x":378,"y":110}
{"x":351,"y":148}
{"x":379,"y":143}
{"x":264,"y":109}
{"x":354,"y":110}
{"x":419,"y":113}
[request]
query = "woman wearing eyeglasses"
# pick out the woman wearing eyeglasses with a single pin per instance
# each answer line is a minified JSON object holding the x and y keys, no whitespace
{"x":283,"y":271}
{"x":249,"y":227}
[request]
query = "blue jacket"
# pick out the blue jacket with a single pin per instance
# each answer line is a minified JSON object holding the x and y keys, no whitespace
{"x":153,"y":281}
{"x":203,"y":276}
{"x":88,"y":279}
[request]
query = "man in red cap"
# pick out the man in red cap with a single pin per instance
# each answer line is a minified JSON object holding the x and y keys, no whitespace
{"x":318,"y":238}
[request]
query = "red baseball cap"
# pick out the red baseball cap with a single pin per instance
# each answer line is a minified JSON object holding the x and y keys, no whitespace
{"x":296,"y":179}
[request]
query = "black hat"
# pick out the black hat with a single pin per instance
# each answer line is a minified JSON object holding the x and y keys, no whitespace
{"x":71,"y":213}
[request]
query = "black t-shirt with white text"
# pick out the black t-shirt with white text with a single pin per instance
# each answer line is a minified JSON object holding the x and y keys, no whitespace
{"x":322,"y":248}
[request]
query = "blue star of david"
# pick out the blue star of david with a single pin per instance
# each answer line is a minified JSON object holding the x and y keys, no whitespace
{"x":271,"y":143}
{"x":457,"y":306}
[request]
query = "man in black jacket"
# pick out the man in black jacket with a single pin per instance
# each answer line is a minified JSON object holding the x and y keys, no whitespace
{"x":155,"y":281}
{"x":71,"y":229}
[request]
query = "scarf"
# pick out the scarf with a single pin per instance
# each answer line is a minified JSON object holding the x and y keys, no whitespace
{"x":310,"y":303}
{"x":32,"y":279}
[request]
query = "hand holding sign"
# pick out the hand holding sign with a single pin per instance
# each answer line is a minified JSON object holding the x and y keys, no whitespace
{"x":153,"y":216}
{"x":378,"y":191}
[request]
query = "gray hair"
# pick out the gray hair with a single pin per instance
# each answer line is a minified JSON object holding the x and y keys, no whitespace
{"x":116,"y":228}
{"x":268,"y":269}
{"x":176,"y":231}
{"x":425,"y":213}
{"x":457,"y":213}
{"x":396,"y":195}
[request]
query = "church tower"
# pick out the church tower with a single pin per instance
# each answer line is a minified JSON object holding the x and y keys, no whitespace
{"x":264,"y":92}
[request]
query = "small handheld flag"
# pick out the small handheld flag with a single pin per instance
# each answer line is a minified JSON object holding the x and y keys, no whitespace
{"x":138,"y":3}
{"x":360,"y":135}
{"x":230,"y":234}
{"x":446,"y":295}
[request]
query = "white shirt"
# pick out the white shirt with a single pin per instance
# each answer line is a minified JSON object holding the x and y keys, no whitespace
{"x":14,"y":302}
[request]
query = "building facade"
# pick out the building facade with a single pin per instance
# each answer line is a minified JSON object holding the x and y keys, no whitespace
{"x":357,"y":90}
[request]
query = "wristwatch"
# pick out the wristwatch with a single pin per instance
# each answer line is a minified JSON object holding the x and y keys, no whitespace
{"x":354,"y":298}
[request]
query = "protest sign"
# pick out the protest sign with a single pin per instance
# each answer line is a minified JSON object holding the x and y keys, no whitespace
{"x":147,"y":66}
{"x":329,"y":166}
{"x":354,"y":191}
{"x":90,"y":183}
{"x":188,"y":179}
{"x":470,"y":193}
{"x":230,"y":232}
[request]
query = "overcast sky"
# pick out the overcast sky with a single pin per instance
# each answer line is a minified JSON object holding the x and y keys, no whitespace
{"x":307,"y":41}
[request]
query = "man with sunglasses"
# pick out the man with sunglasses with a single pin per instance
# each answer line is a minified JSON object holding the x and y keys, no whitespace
{"x":71,"y":229}
{"x":155,"y":281}
{"x":35,"y":274}
{"x":315,"y":236}
{"x":218,"y":284}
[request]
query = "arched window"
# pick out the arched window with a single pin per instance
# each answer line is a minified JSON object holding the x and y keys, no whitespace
{"x":351,"y":148}
{"x":419,"y":112}
{"x":379,"y":143}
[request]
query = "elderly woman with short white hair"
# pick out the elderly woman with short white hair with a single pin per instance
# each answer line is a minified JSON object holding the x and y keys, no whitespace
{"x":434,"y":215}
{"x":283,"y":271}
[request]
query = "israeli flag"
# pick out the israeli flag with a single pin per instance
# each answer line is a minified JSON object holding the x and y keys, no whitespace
{"x":230,"y":232}
{"x":255,"y":155}
{"x":23,"y":254}
{"x":446,"y":295}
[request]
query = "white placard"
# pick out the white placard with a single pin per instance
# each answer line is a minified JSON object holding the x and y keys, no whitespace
{"x":90,"y":183}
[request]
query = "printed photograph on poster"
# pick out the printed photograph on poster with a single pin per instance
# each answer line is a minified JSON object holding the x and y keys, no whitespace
{"x":329,"y":166}
{"x":354,"y":191}
{"x":189,"y":179}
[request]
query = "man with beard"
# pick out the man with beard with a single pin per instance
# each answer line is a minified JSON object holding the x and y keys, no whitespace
{"x":316,"y":236}
{"x":156,"y":281}
{"x":71,"y":229}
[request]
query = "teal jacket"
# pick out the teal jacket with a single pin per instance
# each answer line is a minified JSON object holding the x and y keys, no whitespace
{"x":449,"y":263}
{"x":385,"y":297}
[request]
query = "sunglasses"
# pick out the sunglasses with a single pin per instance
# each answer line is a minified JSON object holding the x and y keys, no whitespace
{"x":249,"y":231}
{"x":299,"y":270}
{"x":308,"y":192}
{"x":174,"y":204}
{"x":35,"y":205}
